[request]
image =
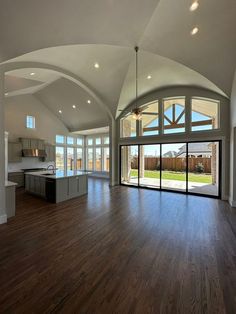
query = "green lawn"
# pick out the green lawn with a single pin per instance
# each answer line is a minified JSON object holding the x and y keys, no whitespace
{"x":180,"y":176}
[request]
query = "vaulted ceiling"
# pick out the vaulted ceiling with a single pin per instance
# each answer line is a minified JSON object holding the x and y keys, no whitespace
{"x":73,"y":35}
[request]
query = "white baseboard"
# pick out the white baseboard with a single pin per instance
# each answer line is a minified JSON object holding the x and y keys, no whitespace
{"x":3,"y":219}
{"x":232,"y":203}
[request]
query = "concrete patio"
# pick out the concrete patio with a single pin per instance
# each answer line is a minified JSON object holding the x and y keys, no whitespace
{"x":193,"y":187}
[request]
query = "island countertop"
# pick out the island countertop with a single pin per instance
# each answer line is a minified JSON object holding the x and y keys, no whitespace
{"x":58,"y":174}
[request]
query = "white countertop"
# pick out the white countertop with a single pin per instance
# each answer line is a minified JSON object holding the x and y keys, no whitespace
{"x":59,"y":174}
{"x":9,"y":183}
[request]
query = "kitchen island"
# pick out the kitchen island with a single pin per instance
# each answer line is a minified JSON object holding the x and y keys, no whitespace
{"x":57,"y":186}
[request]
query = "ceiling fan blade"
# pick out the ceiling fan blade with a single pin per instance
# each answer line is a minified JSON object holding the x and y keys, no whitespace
{"x":144,"y":107}
{"x":150,"y":113}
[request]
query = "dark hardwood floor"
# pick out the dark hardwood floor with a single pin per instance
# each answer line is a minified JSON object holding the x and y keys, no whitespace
{"x":119,"y":250}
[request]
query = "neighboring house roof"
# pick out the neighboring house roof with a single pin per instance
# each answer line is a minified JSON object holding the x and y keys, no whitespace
{"x":196,"y":148}
{"x":170,"y":154}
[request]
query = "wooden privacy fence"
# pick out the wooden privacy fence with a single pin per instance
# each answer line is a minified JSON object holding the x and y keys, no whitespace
{"x":98,"y":165}
{"x":173,"y":164}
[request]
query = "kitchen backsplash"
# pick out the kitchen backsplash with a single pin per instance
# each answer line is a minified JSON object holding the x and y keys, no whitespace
{"x":28,"y":162}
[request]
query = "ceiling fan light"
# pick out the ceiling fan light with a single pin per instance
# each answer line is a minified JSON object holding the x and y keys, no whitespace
{"x":194,"y":6}
{"x":137,"y":116}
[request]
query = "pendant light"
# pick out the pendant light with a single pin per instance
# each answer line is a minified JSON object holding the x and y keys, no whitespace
{"x":136,"y":112}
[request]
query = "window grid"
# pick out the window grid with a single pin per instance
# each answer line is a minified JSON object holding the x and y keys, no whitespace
{"x":73,"y":152}
{"x":97,"y":151}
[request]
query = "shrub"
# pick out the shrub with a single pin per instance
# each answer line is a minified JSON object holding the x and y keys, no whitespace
{"x":199,"y":168}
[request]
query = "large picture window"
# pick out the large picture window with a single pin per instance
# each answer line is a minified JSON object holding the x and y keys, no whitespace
{"x":90,"y":158}
{"x":79,"y":159}
{"x":205,"y":114}
{"x":69,"y":152}
{"x":60,"y":153}
{"x":97,"y":152}
{"x":70,"y":158}
{"x":106,"y":158}
{"x":98,"y":159}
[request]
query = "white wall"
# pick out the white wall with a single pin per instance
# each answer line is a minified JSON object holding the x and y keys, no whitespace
{"x":233,"y":144}
{"x":47,"y":124}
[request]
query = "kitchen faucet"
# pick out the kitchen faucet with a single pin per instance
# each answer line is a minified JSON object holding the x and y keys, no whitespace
{"x":53,"y":168}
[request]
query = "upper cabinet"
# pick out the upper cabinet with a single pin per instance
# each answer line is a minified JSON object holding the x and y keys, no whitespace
{"x":26,"y":143}
{"x":14,"y":152}
{"x":32,"y":143}
{"x":51,"y":153}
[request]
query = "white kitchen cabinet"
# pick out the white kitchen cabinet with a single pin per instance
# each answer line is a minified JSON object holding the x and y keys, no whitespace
{"x":35,"y":185}
{"x":42,"y":190}
{"x":73,"y":186}
{"x":82,"y":185}
{"x":56,"y":189}
{"x":26,"y":143}
{"x":14,"y":152}
{"x":10,"y":188}
{"x":17,"y":177}
{"x":62,"y":193}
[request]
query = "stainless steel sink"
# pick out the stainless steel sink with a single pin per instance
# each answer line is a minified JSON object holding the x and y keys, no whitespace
{"x":48,"y":174}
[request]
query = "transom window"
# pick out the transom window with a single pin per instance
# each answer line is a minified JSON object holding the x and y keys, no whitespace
{"x":174,"y":115}
{"x":60,"y":139}
{"x":90,"y":141}
{"x":30,"y":122}
{"x":128,"y":126}
{"x":168,"y":116}
{"x":98,"y":141}
{"x":80,"y":141}
{"x":150,"y":119}
{"x":106,"y":140}
{"x":204,"y":114}
{"x":70,"y":140}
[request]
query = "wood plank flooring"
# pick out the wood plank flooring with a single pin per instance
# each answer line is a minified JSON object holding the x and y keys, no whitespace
{"x":119,"y":250}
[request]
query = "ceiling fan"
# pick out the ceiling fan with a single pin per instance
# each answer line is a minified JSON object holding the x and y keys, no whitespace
{"x":138,"y":112}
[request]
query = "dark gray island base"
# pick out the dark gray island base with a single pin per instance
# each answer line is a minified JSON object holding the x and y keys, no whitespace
{"x":57,"y":187}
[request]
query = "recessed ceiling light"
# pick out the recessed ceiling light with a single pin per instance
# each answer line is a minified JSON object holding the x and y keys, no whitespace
{"x":96,"y":65}
{"x":6,"y":94}
{"x":194,"y":31}
{"x":74,"y":106}
{"x":194,"y":6}
{"x":149,"y":77}
{"x":60,"y":111}
{"x":32,"y":73}
{"x":89,"y":101}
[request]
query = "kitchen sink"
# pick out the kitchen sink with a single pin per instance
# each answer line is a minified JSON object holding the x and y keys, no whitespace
{"x":48,"y":174}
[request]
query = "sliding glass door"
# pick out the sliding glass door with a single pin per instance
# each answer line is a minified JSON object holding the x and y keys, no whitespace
{"x":129,"y":164}
{"x":182,"y":167}
{"x":149,"y":165}
{"x":203,"y":168}
{"x":173,"y":175}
